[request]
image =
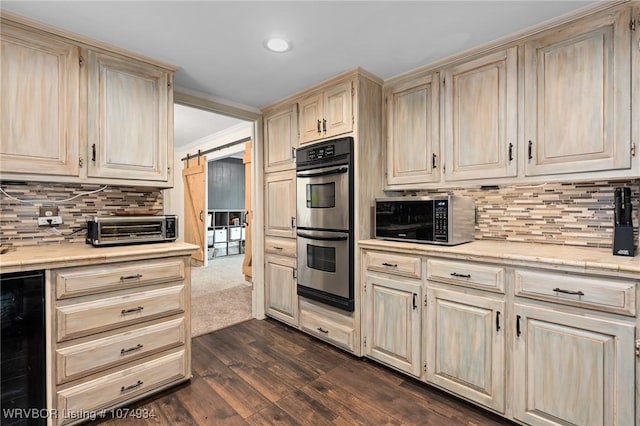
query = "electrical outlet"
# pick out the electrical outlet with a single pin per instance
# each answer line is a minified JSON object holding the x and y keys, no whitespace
{"x":50,"y":221}
{"x":48,"y":212}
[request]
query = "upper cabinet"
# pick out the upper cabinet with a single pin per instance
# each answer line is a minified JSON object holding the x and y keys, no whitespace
{"x":480,"y":103}
{"x":40,"y":87}
{"x":280,"y":138}
{"x":327,"y":113}
{"x":578,"y":97}
{"x":75,"y":111}
{"x":128,"y":114}
{"x":413,"y":142}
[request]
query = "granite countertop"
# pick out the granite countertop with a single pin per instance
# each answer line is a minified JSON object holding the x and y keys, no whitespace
{"x":48,"y":256}
{"x":575,"y":258}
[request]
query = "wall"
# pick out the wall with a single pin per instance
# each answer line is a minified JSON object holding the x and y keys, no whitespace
{"x":18,"y":221}
{"x":174,"y":197}
{"x":225,"y":183}
{"x":578,"y":214}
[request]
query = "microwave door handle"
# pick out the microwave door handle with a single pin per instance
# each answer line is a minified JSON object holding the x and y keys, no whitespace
{"x":310,"y":237}
{"x":325,"y":173}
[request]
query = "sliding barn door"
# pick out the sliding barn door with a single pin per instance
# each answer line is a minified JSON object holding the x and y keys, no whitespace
{"x":246,"y":264}
{"x":193,"y":176}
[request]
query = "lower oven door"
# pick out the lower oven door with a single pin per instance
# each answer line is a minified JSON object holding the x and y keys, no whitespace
{"x":324,"y":272}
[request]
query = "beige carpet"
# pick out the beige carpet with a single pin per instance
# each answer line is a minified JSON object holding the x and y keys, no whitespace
{"x":219,"y":295}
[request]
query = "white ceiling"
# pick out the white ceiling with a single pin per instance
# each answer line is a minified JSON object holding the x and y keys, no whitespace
{"x":192,"y":124}
{"x":217,"y":46}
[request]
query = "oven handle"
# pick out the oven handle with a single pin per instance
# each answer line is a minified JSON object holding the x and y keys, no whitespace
{"x":340,"y":238}
{"x":337,"y":171}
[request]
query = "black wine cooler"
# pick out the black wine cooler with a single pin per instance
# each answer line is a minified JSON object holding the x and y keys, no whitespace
{"x":22,"y":379}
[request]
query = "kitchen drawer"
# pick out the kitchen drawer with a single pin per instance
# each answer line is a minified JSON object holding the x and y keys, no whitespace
{"x":603,"y":294}
{"x":85,"y":358}
{"x":328,"y":325}
{"x":397,"y":264}
{"x":79,"y":319}
{"x":73,"y":282}
{"x":121,"y":385}
{"x":281,"y":246}
{"x":467,"y":274}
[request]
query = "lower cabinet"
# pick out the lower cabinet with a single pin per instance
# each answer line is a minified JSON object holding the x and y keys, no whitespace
{"x":465,"y":345}
{"x":572,"y":369}
{"x":392,"y":312}
{"x":117,"y":336}
{"x":281,"y":297}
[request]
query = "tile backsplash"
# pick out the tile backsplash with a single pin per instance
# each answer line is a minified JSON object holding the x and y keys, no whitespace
{"x":18,"y":220}
{"x":578,"y":214}
{"x":555,"y":213}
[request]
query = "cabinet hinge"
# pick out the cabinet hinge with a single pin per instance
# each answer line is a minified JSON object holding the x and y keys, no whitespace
{"x":168,"y":84}
{"x":365,"y":287}
{"x":633,"y":24}
{"x":424,"y":367}
{"x":425,"y":300}
{"x":353,"y":90}
{"x":386,"y":100}
{"x":444,"y":81}
{"x":168,"y":170}
{"x":633,"y":149}
{"x":364,"y":341}
{"x":80,"y":162}
{"x":638,"y":348}
{"x":81,"y":60}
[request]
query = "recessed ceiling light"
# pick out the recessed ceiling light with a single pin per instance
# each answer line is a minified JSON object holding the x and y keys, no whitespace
{"x":277,"y":44}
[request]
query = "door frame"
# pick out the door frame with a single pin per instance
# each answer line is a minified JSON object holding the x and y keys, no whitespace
{"x":257,"y":243}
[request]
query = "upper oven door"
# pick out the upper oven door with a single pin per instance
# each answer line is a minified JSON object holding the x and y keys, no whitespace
{"x":323,"y":198}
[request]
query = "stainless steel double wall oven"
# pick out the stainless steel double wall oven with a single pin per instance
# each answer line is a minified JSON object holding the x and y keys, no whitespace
{"x":325,"y":222}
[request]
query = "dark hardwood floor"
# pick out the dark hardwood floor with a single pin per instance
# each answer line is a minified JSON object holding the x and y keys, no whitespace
{"x":265,"y":373}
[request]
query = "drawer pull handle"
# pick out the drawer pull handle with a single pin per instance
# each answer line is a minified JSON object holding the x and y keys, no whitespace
{"x":277,"y":248}
{"x":455,"y":274}
{"x":322,"y":330}
{"x":131,"y":387}
{"x":559,"y":290}
{"x":130,"y":277}
{"x":393,"y":265}
{"x":137,"y":347}
{"x":518,"y":331}
{"x":129,"y":311}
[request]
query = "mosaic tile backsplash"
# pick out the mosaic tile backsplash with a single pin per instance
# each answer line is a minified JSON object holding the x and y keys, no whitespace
{"x":556,"y":213}
{"x":18,"y":221}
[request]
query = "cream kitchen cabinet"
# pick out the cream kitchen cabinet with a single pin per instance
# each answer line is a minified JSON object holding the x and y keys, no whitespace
{"x":413,"y":132}
{"x":577,"y":99}
{"x":572,"y":368}
{"x":122,"y":335}
{"x":480,"y":103}
{"x":78,"y":112}
{"x":466,"y":345}
{"x":392,"y":321}
{"x":280,"y":138}
{"x":281,"y":297}
{"x":40,"y":103}
{"x":280,"y":204}
{"x":129,"y":125}
{"x":327,"y":113}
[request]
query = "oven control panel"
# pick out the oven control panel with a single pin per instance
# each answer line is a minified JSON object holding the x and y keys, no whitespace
{"x":321,"y":152}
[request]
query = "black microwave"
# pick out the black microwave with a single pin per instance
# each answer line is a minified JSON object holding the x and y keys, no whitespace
{"x":447,"y":220}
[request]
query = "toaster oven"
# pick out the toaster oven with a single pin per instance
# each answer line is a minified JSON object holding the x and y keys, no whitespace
{"x":123,"y":230}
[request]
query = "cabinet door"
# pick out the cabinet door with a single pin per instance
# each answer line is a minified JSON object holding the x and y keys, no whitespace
{"x":465,"y":345}
{"x":392,"y":322}
{"x":413,"y":139}
{"x":577,"y":101}
{"x":281,"y":295}
{"x":311,"y":110}
{"x":338,"y":110}
{"x":281,"y":134}
{"x":481,"y":120}
{"x":572,"y":369}
{"x":128,"y":110}
{"x":40,"y":89}
{"x":280,"y":204}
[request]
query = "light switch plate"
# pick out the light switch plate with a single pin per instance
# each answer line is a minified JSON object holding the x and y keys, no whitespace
{"x":48,"y":212}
